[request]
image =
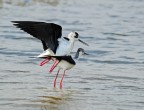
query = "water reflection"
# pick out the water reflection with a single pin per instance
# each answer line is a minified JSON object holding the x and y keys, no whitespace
{"x":1,"y":3}
{"x":29,"y":2}
{"x":56,"y":100}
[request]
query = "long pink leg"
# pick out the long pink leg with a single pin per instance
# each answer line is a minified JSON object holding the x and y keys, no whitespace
{"x":56,"y":62}
{"x":62,"y":79}
{"x":45,"y":61}
{"x":56,"y":78}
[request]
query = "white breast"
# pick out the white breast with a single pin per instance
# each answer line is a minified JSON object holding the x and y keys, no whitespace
{"x":65,"y":47}
{"x":65,"y":65}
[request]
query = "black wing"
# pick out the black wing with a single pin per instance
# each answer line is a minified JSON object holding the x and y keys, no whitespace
{"x":66,"y":58}
{"x":48,"y":33}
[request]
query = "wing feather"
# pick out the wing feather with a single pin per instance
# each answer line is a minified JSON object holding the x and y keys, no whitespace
{"x":48,"y":33}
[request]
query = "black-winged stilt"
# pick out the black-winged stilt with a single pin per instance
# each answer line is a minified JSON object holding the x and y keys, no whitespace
{"x":50,"y":36}
{"x":65,"y":63}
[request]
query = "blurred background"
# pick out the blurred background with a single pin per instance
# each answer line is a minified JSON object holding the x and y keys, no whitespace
{"x":110,"y":78}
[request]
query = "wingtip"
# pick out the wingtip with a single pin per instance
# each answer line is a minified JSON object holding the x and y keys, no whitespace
{"x":14,"y":21}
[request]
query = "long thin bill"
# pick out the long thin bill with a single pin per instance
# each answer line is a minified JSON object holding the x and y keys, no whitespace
{"x":86,"y":54}
{"x":83,"y":42}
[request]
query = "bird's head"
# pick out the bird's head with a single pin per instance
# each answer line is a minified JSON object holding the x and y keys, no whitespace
{"x":74,"y":36}
{"x":80,"y":52}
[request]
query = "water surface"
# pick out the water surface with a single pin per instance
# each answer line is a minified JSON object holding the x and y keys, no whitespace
{"x":111,"y":78}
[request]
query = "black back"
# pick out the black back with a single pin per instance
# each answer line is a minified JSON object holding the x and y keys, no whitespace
{"x":48,"y":33}
{"x":66,"y":58}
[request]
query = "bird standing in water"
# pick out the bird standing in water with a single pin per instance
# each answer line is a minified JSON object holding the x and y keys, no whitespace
{"x":65,"y":63}
{"x":55,"y":46}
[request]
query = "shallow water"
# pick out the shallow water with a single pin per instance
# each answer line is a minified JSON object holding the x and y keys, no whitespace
{"x":110,"y":78}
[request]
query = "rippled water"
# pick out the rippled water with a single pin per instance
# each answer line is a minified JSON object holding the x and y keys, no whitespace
{"x":111,"y":78}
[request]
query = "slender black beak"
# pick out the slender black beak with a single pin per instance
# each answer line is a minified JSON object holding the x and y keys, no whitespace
{"x":83,"y":42}
{"x":86,"y":53}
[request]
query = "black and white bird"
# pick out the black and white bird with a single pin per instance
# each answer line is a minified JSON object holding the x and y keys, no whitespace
{"x":50,"y":35}
{"x":65,"y":63}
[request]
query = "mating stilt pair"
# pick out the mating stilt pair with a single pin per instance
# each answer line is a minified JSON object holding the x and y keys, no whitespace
{"x":50,"y":36}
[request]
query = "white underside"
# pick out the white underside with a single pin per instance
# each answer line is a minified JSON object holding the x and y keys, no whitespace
{"x":46,"y":53}
{"x":65,"y":65}
{"x":64,"y":48}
